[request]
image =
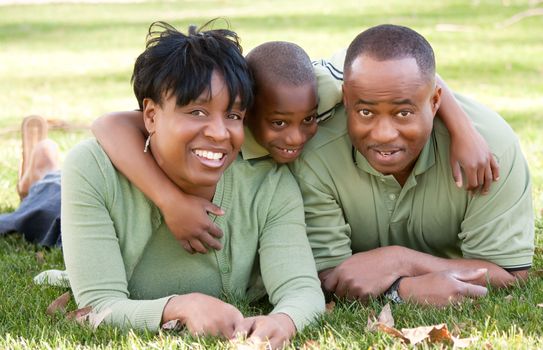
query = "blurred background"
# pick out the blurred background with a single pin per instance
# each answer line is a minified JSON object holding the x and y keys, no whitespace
{"x":71,"y":61}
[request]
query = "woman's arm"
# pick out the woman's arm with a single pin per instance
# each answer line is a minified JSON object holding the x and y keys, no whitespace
{"x":469,"y":150}
{"x":186,"y":215}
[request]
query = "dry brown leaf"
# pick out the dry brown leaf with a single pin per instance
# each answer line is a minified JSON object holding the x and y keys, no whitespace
{"x":460,"y":343}
{"x":391,"y":331}
{"x":173,"y":325}
{"x":416,"y":335}
{"x":385,"y":316}
{"x":59,"y":304}
{"x":440,"y":334}
{"x":40,"y":258}
{"x":330,"y":306}
{"x":540,"y":305}
{"x":508,"y":298}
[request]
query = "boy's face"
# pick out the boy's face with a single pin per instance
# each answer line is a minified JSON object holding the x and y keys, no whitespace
{"x":283,"y":119}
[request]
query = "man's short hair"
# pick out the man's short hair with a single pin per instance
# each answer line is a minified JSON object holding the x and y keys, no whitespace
{"x":389,"y":42}
{"x":281,"y":62}
{"x":182,"y":65}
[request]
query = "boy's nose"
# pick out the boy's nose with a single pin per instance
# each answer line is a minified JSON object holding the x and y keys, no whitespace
{"x":295,"y":138}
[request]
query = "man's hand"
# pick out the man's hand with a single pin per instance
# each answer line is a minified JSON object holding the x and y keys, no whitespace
{"x":203,"y":315}
{"x":365,"y":274}
{"x":277,"y":329}
{"x":442,"y":288}
{"x":187,"y":218}
{"x":471,"y":153}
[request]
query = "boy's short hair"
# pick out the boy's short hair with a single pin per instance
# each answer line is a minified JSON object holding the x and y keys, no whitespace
{"x":280,"y":62}
{"x":388,"y":42}
{"x":182,"y":65}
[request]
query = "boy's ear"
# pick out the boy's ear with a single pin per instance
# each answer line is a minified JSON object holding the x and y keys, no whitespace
{"x":436,"y":99}
{"x":343,"y":94}
{"x":149,"y":114}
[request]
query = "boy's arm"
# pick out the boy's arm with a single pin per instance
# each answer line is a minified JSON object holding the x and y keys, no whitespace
{"x":186,"y":215}
{"x":468,"y":148}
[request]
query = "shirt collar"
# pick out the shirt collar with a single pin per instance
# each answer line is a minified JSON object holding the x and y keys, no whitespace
{"x":427,"y":159}
{"x":252,"y":149}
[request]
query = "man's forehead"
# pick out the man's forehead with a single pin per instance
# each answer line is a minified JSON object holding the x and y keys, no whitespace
{"x":368,"y":66}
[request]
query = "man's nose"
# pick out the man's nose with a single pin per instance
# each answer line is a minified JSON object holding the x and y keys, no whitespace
{"x":384,"y":131}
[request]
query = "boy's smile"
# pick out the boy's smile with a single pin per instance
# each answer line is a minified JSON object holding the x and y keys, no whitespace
{"x":283,"y":119}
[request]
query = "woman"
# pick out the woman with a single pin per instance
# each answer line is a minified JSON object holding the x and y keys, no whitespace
{"x":193,"y":90}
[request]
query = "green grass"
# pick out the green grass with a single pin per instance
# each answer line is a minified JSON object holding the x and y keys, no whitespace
{"x":73,"y":62}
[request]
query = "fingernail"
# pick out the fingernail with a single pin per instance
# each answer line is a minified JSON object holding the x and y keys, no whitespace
{"x":458,"y":184}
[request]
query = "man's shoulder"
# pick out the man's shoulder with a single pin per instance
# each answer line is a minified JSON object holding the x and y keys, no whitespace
{"x":493,"y":128}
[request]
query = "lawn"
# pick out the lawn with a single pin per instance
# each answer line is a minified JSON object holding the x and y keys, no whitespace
{"x":72,"y":62}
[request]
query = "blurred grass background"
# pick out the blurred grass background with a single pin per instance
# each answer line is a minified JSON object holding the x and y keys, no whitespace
{"x":71,"y":61}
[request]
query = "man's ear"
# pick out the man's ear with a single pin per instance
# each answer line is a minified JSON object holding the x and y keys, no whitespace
{"x":150,"y":108}
{"x":435,"y":100}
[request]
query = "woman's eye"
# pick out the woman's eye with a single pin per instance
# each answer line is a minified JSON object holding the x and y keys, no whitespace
{"x":310,"y":119}
{"x":279,"y":123}
{"x":198,"y":113}
{"x":365,"y":113}
{"x":234,"y":116}
{"x":404,"y":114}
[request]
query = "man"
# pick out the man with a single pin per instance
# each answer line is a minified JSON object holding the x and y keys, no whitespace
{"x":383,"y":214}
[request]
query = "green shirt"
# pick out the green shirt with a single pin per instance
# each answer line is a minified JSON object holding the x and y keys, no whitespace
{"x":351,"y":208}
{"x":120,"y":255}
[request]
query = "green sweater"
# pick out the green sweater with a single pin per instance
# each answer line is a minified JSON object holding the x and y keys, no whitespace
{"x":120,"y":255}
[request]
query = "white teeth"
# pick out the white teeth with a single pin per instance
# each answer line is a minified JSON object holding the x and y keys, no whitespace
{"x":208,"y":154}
{"x":288,"y":150}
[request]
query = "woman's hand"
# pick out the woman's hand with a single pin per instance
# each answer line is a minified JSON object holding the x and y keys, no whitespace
{"x":277,"y":329}
{"x":203,"y":315}
{"x":187,"y":218}
{"x":471,"y":153}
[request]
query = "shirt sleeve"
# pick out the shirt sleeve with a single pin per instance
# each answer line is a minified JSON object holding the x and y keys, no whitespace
{"x":286,"y":263}
{"x":328,"y":232}
{"x":91,"y":247}
{"x":499,"y":226}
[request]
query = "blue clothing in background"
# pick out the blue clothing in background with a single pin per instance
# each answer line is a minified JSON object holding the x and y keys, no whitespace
{"x":38,"y":216}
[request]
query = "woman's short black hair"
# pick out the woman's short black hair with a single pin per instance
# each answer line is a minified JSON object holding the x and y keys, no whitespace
{"x":182,"y":65}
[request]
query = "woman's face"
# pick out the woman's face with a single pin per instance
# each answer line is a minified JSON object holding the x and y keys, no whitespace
{"x":194,"y":144}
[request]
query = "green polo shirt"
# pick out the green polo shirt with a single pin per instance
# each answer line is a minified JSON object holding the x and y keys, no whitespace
{"x":351,"y":208}
{"x":121,"y":256}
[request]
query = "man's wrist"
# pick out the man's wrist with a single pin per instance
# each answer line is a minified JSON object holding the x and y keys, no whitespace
{"x":392,"y":292}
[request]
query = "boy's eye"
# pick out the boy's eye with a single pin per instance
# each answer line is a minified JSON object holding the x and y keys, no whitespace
{"x":404,"y":114}
{"x":198,"y":113}
{"x":279,"y":123}
{"x":310,"y":119}
{"x":365,"y":113}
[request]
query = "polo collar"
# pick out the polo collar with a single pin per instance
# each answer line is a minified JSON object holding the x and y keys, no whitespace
{"x":252,"y":149}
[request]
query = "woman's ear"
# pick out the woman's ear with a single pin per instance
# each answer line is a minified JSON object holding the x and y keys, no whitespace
{"x":150,"y":108}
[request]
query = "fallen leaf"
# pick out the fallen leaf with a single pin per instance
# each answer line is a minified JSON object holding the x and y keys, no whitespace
{"x":330,"y":306}
{"x":374,"y":325}
{"x":385,"y":316}
{"x":440,"y":334}
{"x":435,"y":334}
{"x":40,"y":258}
{"x":246,"y":344}
{"x":173,"y":325}
{"x":391,"y":331}
{"x":460,"y":343}
{"x":59,"y":304}
{"x":539,"y":305}
{"x":508,"y":298}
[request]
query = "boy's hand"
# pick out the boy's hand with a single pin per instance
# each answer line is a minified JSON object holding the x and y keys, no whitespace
{"x":203,"y":315}
{"x":277,"y":329}
{"x":471,"y":153}
{"x":187,"y":218}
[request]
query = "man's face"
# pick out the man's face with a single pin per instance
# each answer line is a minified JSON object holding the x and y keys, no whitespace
{"x":390,"y":109}
{"x":283,"y":119}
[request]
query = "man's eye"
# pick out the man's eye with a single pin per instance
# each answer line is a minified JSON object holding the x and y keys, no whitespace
{"x":198,"y":113}
{"x":279,"y":123}
{"x":365,"y":113}
{"x":404,"y":114}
